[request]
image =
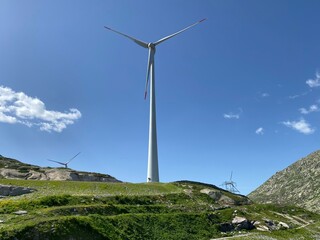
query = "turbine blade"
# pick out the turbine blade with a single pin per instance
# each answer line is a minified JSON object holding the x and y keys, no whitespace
{"x":174,"y":34}
{"x":73,"y":157}
{"x":141,"y":43}
{"x":56,"y":161}
{"x":148,"y":72}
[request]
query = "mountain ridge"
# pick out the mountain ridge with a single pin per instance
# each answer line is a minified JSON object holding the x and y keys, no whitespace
{"x":298,"y":184}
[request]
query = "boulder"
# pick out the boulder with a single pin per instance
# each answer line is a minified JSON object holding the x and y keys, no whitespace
{"x":218,"y":196}
{"x":283,"y":225}
{"x":215,"y":195}
{"x":241,"y":223}
{"x":239,"y":220}
{"x":12,"y":173}
{"x":9,"y":190}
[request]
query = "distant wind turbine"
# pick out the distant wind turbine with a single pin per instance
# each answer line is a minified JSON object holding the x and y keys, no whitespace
{"x":66,"y":163}
{"x":153,"y":171}
{"x":230,"y":185}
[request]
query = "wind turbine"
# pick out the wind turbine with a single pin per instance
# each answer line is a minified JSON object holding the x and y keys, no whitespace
{"x":66,"y":163}
{"x":230,"y":185}
{"x":153,"y":170}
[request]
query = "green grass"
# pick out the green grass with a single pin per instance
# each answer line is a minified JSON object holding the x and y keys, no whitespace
{"x":77,"y":188}
{"x":93,"y":210}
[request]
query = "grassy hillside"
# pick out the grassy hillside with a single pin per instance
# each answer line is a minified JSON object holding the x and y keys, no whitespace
{"x":93,"y":210}
{"x":75,"y":188}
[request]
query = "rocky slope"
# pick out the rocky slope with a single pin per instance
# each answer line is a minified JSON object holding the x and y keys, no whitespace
{"x":298,"y":184}
{"x":14,"y":169}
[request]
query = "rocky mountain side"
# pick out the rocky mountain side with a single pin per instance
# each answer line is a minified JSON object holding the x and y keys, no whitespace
{"x":14,"y":169}
{"x":298,"y":184}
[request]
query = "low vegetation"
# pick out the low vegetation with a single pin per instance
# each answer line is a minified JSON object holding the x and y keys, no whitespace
{"x":93,"y":210}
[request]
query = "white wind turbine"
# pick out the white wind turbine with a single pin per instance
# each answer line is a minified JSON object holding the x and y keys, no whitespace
{"x":65,"y":164}
{"x":153,"y":170}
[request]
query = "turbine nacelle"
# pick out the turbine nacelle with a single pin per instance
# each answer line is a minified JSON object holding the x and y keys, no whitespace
{"x":65,"y":164}
{"x":152,"y":46}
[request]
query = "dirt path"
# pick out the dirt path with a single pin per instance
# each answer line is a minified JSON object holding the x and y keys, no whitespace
{"x":296,"y":220}
{"x":240,"y":235}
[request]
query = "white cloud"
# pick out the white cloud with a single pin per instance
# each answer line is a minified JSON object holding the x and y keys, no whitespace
{"x":314,"y":82}
{"x":312,"y":108}
{"x":260,"y":131}
{"x":7,"y":119}
{"x":300,"y":95}
{"x":17,"y":107}
{"x":231,"y":116}
{"x":264,"y":95}
{"x":301,"y":126}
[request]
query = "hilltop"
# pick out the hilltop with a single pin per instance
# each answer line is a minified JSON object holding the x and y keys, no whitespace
{"x":298,"y":184}
{"x":14,"y":169}
{"x":179,"y":210}
{"x":80,"y":210}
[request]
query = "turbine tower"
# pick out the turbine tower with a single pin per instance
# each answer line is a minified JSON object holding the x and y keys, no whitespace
{"x":153,"y":170}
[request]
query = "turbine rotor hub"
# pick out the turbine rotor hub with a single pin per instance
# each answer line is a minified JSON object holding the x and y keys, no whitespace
{"x":152,"y":46}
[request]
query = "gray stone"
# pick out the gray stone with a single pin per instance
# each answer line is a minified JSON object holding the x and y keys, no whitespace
{"x":256,"y":223}
{"x":20,"y":212}
{"x":241,"y":223}
{"x":9,"y":190}
{"x":283,"y":225}
{"x":218,"y":196}
{"x":238,"y":220}
{"x":262,"y":228}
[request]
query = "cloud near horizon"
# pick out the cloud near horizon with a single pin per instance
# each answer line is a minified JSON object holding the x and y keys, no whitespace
{"x":301,"y":126}
{"x":17,"y":107}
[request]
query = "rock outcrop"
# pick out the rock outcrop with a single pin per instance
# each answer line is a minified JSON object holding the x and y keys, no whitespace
{"x":9,"y":190}
{"x":218,"y":196}
{"x":242,"y":223}
{"x":14,"y":169}
{"x":225,"y":198}
{"x":298,"y":184}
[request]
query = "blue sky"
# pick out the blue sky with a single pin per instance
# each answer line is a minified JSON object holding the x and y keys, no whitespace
{"x":238,"y":92}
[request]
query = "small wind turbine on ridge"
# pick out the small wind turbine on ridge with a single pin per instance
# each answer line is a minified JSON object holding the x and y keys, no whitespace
{"x":66,"y":163}
{"x":230,"y":185}
{"x":153,"y":170}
